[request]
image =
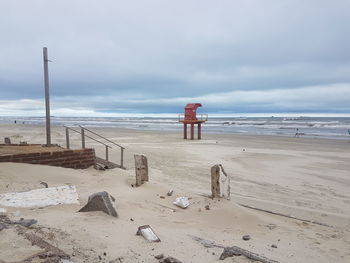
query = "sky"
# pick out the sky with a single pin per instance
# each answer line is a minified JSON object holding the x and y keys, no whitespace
{"x":112,"y":58}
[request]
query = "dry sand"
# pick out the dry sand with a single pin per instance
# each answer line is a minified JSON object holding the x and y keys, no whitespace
{"x":306,"y":178}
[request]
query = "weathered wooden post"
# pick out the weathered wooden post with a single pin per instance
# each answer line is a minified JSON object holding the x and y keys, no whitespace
{"x":122,"y":157}
{"x":220,"y":182}
{"x":141,"y":169}
{"x":106,"y":152}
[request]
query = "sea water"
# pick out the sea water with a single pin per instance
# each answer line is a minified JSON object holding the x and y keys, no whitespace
{"x":314,"y":127}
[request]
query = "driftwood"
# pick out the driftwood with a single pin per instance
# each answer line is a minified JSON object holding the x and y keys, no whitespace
{"x":141,"y":169}
{"x":284,"y":215}
{"x":234,"y":250}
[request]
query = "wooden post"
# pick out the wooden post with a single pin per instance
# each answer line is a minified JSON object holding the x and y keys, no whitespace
{"x":199,"y":131}
{"x":215,"y":181}
{"x":121,"y":157}
{"x":141,"y":169}
{"x":82,"y":138}
{"x":192,"y":131}
{"x":106,"y":153}
{"x":185,"y":131}
{"x":67,"y":138}
{"x":47,"y":97}
{"x":220,"y":182}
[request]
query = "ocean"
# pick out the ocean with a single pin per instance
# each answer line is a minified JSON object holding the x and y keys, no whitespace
{"x":311,"y":127}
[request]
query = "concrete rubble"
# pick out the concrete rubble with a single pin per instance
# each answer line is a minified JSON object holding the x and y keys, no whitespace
{"x":101,"y":201}
{"x":182,"y":202}
{"x":147,"y":232}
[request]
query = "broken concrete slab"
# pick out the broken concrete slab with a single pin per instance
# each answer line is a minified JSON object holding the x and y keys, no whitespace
{"x":101,"y":201}
{"x":147,"y":232}
{"x":66,"y":194}
{"x":141,"y":169}
{"x":220,"y":182}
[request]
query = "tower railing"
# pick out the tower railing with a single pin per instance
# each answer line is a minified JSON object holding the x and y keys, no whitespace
{"x":200,"y":117}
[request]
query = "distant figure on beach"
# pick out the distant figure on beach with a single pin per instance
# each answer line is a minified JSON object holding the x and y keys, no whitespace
{"x":15,"y":121}
{"x":297,"y":133}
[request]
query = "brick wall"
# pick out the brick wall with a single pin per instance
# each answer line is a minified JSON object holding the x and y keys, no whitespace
{"x":78,"y":159}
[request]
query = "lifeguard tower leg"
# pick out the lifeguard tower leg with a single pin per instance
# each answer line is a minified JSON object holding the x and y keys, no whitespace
{"x":199,"y":131}
{"x":185,"y":131}
{"x":192,"y":131}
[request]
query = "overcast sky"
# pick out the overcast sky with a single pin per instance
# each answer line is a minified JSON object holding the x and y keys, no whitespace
{"x":233,"y":56}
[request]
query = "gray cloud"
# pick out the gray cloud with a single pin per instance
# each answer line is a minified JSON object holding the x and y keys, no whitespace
{"x":153,"y":56}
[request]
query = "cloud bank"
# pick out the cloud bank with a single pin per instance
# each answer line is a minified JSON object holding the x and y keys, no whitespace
{"x":117,"y":57}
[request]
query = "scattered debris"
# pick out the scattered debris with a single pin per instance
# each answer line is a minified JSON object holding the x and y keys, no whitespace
{"x":44,"y":184}
{"x":170,"y":192}
{"x":246,"y":237}
{"x":160,"y":256}
{"x":271,"y":226}
{"x":162,"y":197}
{"x":101,"y":201}
{"x":182,"y":202}
{"x":164,"y":206}
{"x":284,"y":215}
{"x":141,"y":169}
{"x":220,"y":182}
{"x":237,"y":251}
{"x":2,"y":226}
{"x":234,"y":249}
{"x":229,"y":252}
{"x":274,"y":246}
{"x":7,"y":140}
{"x":147,"y":232}
{"x":25,"y":222}
{"x":66,"y":194}
{"x":50,"y":251}
{"x":99,"y":167}
{"x":169,"y":260}
{"x":207,"y":207}
{"x":5,"y":221}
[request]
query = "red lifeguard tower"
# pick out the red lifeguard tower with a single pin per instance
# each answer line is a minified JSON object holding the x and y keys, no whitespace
{"x":190,"y":117}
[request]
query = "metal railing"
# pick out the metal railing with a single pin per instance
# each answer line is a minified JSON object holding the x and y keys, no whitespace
{"x":200,"y":117}
{"x":83,"y":135}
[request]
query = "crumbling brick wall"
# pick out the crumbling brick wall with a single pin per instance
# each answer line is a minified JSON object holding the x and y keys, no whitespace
{"x":77,"y":159}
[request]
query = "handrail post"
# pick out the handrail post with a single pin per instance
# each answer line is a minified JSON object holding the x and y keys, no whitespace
{"x":121,"y":157}
{"x":82,"y":138}
{"x":106,"y":153}
{"x":67,"y":138}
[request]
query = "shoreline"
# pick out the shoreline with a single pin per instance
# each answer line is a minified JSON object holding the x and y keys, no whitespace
{"x":205,"y":133}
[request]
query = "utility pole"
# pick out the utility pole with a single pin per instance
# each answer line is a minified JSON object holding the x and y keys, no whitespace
{"x":47,"y":97}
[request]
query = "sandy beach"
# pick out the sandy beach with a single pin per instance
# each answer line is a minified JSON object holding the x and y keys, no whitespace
{"x":304,"y":178}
